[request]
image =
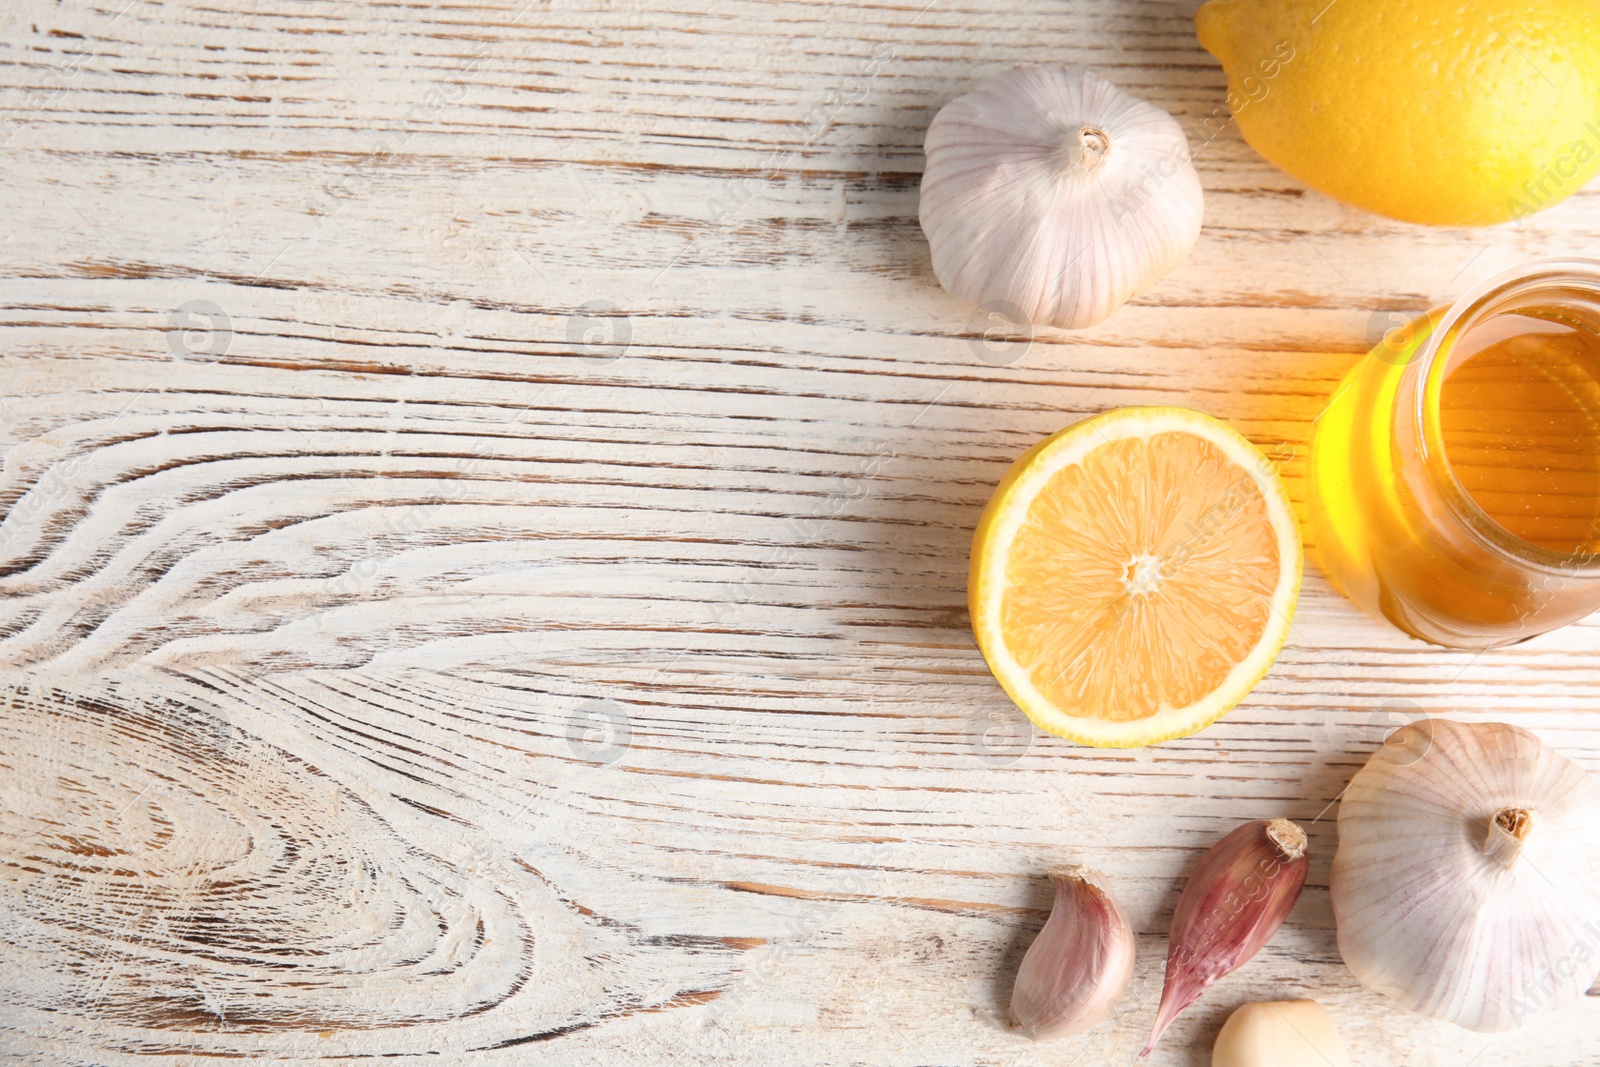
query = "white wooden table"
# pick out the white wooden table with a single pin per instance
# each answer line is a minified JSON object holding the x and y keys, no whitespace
{"x":487,"y":488}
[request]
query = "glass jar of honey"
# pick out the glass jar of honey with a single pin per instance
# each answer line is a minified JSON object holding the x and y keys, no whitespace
{"x":1455,"y":474}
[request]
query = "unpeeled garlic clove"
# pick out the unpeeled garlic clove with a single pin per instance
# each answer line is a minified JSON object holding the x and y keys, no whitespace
{"x":1233,"y":903}
{"x":1279,"y":1033}
{"x":1053,"y":196}
{"x":1078,"y":966}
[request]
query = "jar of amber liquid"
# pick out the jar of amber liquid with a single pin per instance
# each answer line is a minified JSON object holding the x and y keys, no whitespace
{"x":1455,"y":474}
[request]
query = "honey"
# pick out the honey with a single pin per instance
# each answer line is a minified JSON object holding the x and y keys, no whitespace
{"x":1520,"y":417}
{"x":1455,"y":481}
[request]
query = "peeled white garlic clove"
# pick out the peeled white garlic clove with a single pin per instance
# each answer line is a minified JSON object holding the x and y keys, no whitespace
{"x":1054,"y":196}
{"x":1467,"y":881}
{"x":1079,"y":964}
{"x":1279,"y":1033}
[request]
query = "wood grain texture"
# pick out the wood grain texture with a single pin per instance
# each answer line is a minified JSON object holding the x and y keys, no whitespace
{"x":486,"y":491}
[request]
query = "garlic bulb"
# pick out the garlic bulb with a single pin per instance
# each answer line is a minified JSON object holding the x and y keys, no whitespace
{"x":1467,"y":881}
{"x":1054,"y":196}
{"x":1279,"y":1033}
{"x":1079,"y":965}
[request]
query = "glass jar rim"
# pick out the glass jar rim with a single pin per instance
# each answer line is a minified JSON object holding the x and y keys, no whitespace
{"x":1488,"y":297}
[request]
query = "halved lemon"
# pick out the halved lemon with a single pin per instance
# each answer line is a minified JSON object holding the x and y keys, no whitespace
{"x":1134,"y":576}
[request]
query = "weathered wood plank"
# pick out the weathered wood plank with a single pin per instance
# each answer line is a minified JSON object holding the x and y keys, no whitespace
{"x":525,"y":610}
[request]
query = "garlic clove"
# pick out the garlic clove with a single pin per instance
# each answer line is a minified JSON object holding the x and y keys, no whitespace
{"x":1279,"y":1033}
{"x":1231,"y":906}
{"x":1055,"y":196}
{"x":1467,"y":881}
{"x":1078,"y":966}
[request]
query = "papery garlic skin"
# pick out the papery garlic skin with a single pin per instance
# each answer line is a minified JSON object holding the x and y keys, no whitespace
{"x":1237,"y":897}
{"x":1279,"y":1033}
{"x":1055,"y":196}
{"x":1467,"y":881}
{"x":1079,"y":965}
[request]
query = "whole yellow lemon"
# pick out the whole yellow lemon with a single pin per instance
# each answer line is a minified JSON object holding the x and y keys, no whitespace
{"x":1448,"y":112}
